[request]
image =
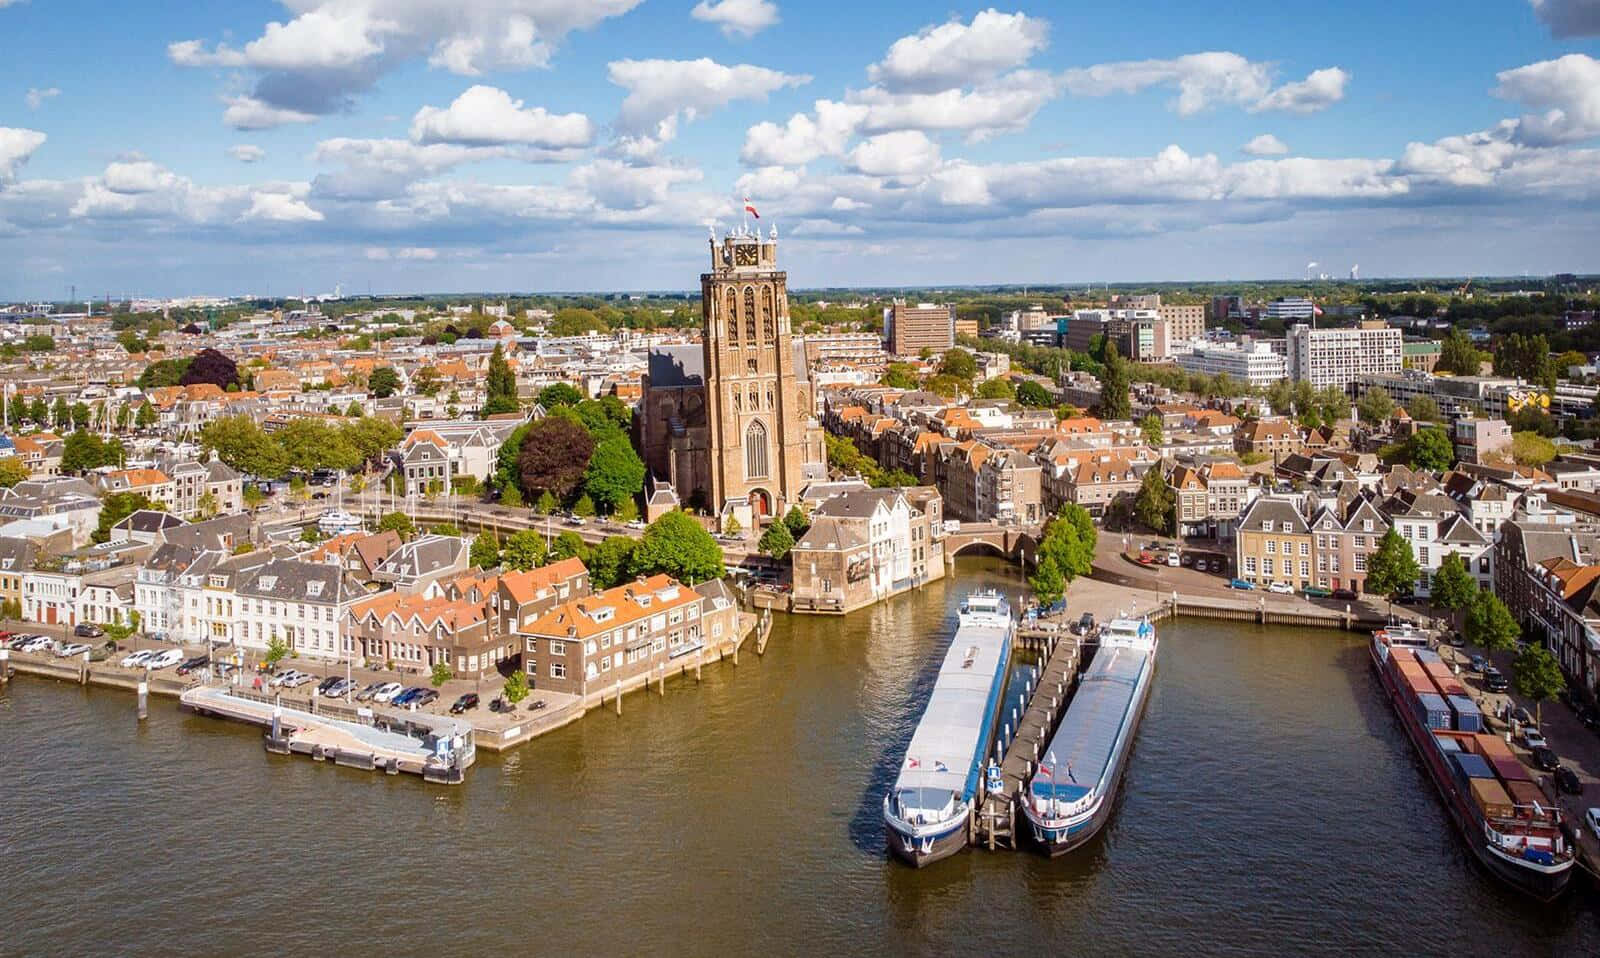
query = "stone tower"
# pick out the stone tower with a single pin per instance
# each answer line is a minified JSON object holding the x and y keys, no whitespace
{"x":761,"y":429}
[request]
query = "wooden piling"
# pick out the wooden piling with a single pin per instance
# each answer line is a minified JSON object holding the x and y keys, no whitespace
{"x":5,"y":666}
{"x":144,"y":699}
{"x":661,"y":682}
{"x":619,"y":696}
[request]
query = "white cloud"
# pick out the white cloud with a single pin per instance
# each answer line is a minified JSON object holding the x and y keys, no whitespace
{"x":622,"y":187}
{"x":137,"y":176}
{"x":16,"y":145}
{"x":381,"y":169}
{"x":249,"y":113}
{"x":332,"y":50}
{"x":247,"y":153}
{"x":1205,"y":80}
{"x":803,"y":138}
{"x":1318,"y":91}
{"x":1566,"y":89}
{"x":1005,"y":105}
{"x":904,"y":153}
{"x":659,"y":91}
{"x":1569,"y":18}
{"x":486,"y":115}
{"x":36,"y":96}
{"x":954,"y":54}
{"x":1265,"y":145}
{"x":280,"y":208}
{"x":744,"y":18}
{"x":380,"y":253}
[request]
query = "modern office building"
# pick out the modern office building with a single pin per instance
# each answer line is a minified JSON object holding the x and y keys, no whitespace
{"x":1292,"y":309}
{"x":909,"y":330}
{"x":1337,"y":357}
{"x":1252,"y":363}
{"x":1184,"y":323}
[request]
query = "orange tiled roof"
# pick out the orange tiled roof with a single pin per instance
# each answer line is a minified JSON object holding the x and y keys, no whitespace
{"x":613,"y":608}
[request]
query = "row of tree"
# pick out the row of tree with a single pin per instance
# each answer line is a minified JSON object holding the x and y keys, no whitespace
{"x":1065,"y":552}
{"x":304,"y":443}
{"x":674,"y":544}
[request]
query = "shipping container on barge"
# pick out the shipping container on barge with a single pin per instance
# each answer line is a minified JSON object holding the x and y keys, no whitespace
{"x":1510,"y":825}
{"x":926,"y":813}
{"x":1071,"y":795}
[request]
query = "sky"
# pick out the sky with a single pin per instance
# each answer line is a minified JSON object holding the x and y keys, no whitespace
{"x":282,"y":148}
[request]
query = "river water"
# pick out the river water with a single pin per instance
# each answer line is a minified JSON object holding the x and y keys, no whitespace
{"x":1272,"y":806}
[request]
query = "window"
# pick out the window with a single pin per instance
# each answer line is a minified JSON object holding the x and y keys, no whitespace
{"x":1272,"y":546}
{"x":605,"y":664}
{"x":1266,"y":525}
{"x":755,"y":451}
{"x":1266,"y":566}
{"x":750,"y":314}
{"x":557,"y":647}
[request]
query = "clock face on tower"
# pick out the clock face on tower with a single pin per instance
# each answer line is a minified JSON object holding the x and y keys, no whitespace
{"x":744,"y":254}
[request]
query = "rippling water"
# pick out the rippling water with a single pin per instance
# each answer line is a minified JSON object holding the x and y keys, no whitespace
{"x":1272,"y":807}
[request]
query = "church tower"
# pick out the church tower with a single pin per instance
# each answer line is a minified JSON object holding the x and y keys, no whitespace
{"x":762,"y":432}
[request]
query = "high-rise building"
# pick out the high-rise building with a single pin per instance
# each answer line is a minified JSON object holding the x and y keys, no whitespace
{"x":1336,"y":357}
{"x":730,"y":425}
{"x":1184,"y":323}
{"x":1292,"y":309}
{"x":1250,"y":363}
{"x":910,"y":329}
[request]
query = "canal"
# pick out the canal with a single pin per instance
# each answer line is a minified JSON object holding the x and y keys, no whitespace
{"x":1272,"y":806}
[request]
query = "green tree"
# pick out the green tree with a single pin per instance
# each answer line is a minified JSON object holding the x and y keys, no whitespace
{"x":426,"y":382}
{"x":511,"y":496}
{"x":311,"y":535}
{"x":277,"y":651}
{"x":1458,"y":355}
{"x":500,"y":386}
{"x":1537,"y":676}
{"x":1531,"y":449}
{"x":997,"y":388}
{"x":545,"y":504}
{"x":584,"y":507}
{"x":505,"y":460}
{"x":39,"y":411}
{"x":117,"y":506}
{"x":958,"y":363}
{"x":399,"y":523}
{"x":797,"y":522}
{"x":370,"y":437}
{"x":1155,"y":502}
{"x":384,"y":382}
{"x":568,"y":545}
{"x":559,"y":394}
{"x":1375,"y":405}
{"x":441,"y":674}
{"x":314,"y":444}
{"x":1114,"y":403}
{"x":679,"y":546}
{"x":615,"y":473}
{"x":1453,"y":587}
{"x":516,"y":687}
{"x":252,"y":495}
{"x":628,"y":511}
{"x":1490,"y":624}
{"x":485,"y":552}
{"x":523,"y":550}
{"x":146,"y":419}
{"x":62,"y":414}
{"x":1150,"y":426}
{"x":1430,"y":450}
{"x":611,"y":561}
{"x":83,"y":451}
{"x":80,"y":414}
{"x":164,"y":372}
{"x":12,"y":471}
{"x":1526,"y":357}
{"x":900,"y":376}
{"x":1423,"y":409}
{"x":242,"y":444}
{"x":1032,"y":395}
{"x":1392,"y":570}
{"x":1047,"y":582}
{"x":354,"y":410}
{"x":776,"y":541}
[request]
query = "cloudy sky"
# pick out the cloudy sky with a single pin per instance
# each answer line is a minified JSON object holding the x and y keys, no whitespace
{"x":187,"y":147}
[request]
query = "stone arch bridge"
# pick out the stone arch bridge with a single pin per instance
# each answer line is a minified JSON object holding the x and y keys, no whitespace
{"x":1020,"y":544}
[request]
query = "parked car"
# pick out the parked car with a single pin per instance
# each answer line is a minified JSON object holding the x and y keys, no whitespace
{"x":88,"y":630}
{"x":1281,"y":588}
{"x":1346,"y":595}
{"x":428,"y":697}
{"x":1085,"y":624}
{"x":1316,"y":592}
{"x":39,"y":643}
{"x":136,"y":660}
{"x":1201,"y":565}
{"x":386,"y":691}
{"x":165,"y":659}
{"x":1456,"y":639}
{"x":1545,"y":759}
{"x":1241,"y":584}
{"x":1524,"y":717}
{"x":1567,"y":781}
{"x":406,"y":697}
{"x":577,"y":521}
{"x":466,"y":701}
{"x":290,"y":678}
{"x":1534,"y":739}
{"x":1146,"y":557}
{"x":368,"y":692}
{"x":328,"y":683}
{"x":1173,"y":559}
{"x":1592,"y":819}
{"x":1494,"y":680}
{"x":338,"y":689}
{"x":68,"y":651}
{"x":193,"y":664}
{"x":538,"y":704}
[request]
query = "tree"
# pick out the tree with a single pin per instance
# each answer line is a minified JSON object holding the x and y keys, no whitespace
{"x":1150,"y":426}
{"x":1155,"y":502}
{"x":950,"y":387}
{"x":1375,"y":405}
{"x":314,"y":444}
{"x":164,"y":372}
{"x":252,"y":495}
{"x":1047,"y":582}
{"x":1531,"y":418}
{"x":559,"y":394}
{"x":545,"y":504}
{"x":776,"y":541}
{"x":83,"y":451}
{"x":627,"y":511}
{"x":997,"y":388}
{"x":80,"y":415}
{"x":1423,"y":409}
{"x":584,"y":507}
{"x":505,"y":460}
{"x":1392,"y":570}
{"x":370,"y":438}
{"x":146,"y":418}
{"x":500,"y":386}
{"x":1032,"y":395}
{"x":679,"y":546}
{"x":310,"y":535}
{"x":610,"y":563}
{"x":1430,"y":450}
{"x":554,"y":456}
{"x":1537,"y":676}
{"x":426,"y":382}
{"x":446,"y":529}
{"x":441,"y":674}
{"x":62,"y":414}
{"x":277,"y":651}
{"x":1458,"y":355}
{"x":523,"y":550}
{"x":615,"y":473}
{"x":958,"y":363}
{"x":399,"y":523}
{"x":354,"y":410}
{"x":797,"y":522}
{"x":1453,"y":587}
{"x":207,"y":505}
{"x":1114,"y":402}
{"x":1531,"y":449}
{"x":1526,"y":357}
{"x":568,"y":545}
{"x":242,"y":444}
{"x":384,"y":382}
{"x":210,"y":366}
{"x":117,"y":506}
{"x":900,"y":376}
{"x":1490,"y":624}
{"x":511,"y":496}
{"x":893,"y":479}
{"x":12,"y":471}
{"x":485,"y":553}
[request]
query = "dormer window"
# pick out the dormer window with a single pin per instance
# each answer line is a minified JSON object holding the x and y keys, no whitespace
{"x":313,"y":589}
{"x":602,"y":614}
{"x":269,"y":582}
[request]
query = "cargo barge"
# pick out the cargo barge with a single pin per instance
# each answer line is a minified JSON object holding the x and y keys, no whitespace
{"x":926,"y":814}
{"x":1071,"y":795}
{"x":1512,"y":828}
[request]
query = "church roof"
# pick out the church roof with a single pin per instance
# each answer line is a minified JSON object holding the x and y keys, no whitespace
{"x":673,"y":366}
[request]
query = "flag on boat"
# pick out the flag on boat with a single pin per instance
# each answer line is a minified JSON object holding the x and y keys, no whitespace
{"x":939,"y":766}
{"x":912,"y":763}
{"x":1047,"y":771}
{"x":750,"y":208}
{"x":1070,"y":777}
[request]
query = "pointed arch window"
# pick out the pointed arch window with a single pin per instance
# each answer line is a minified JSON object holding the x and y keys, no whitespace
{"x":766,"y":315}
{"x":755,"y":451}
{"x":733,"y":316}
{"x":750,"y":314}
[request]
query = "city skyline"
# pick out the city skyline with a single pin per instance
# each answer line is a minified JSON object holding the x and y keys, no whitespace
{"x":281,"y":148}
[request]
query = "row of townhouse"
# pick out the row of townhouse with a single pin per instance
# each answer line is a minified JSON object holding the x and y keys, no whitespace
{"x":867,"y":544}
{"x":1547,"y":571}
{"x":186,"y":489}
{"x":1210,"y":498}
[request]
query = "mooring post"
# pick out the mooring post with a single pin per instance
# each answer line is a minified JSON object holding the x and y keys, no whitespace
{"x":277,"y":722}
{"x":83,"y":670}
{"x":698,"y":661}
{"x":144,"y":699}
{"x":619,"y":696}
{"x":661,"y":681}
{"x":5,"y":665}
